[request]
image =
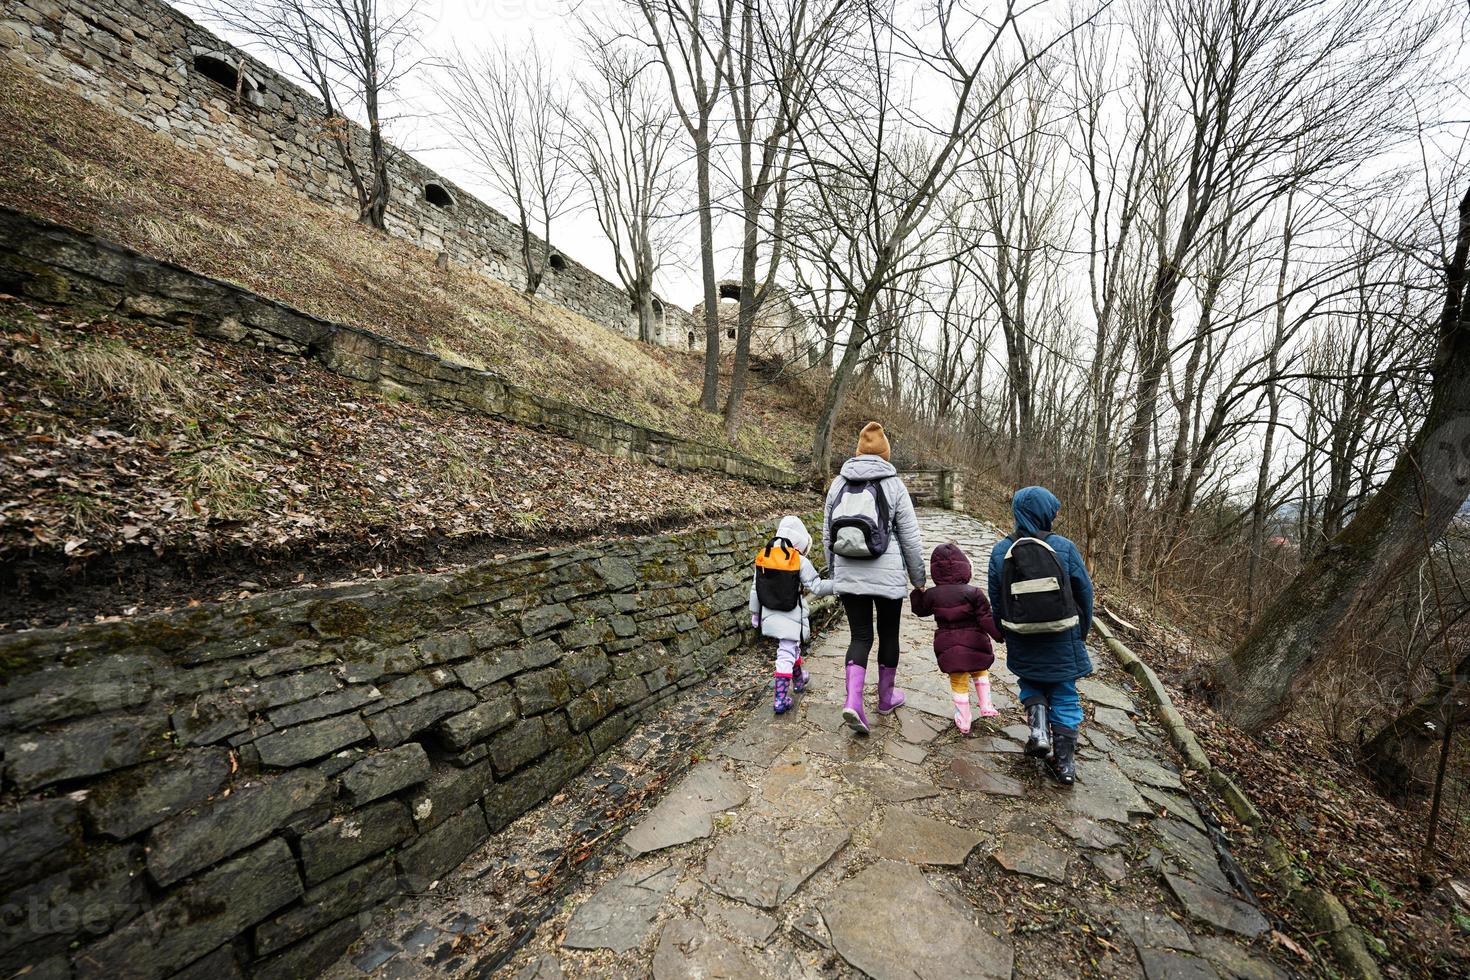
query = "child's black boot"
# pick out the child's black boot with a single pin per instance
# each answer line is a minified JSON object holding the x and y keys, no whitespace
{"x":1063,"y":763}
{"x":1038,"y":745}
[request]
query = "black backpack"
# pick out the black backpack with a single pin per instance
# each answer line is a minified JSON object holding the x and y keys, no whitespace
{"x":1036,"y":589}
{"x":778,"y":576}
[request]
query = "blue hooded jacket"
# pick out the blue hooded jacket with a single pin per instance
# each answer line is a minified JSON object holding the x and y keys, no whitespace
{"x":1042,"y":657}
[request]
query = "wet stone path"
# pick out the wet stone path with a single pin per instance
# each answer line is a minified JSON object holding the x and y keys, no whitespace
{"x":794,"y":848}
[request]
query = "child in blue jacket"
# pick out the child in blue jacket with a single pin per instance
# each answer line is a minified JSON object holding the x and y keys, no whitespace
{"x":1047,"y":665}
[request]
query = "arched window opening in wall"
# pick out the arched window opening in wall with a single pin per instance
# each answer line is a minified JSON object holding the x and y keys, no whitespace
{"x":436,"y":195}
{"x":556,"y":262}
{"x":730,"y":333}
{"x":730,"y":290}
{"x":658,"y":308}
{"x":691,"y":338}
{"x":225,"y":74}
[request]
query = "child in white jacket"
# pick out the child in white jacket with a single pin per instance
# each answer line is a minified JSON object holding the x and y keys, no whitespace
{"x":777,"y":609}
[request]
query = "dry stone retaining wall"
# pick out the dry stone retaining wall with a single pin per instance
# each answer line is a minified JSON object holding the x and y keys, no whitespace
{"x":236,"y":784}
{"x":934,"y":488}
{"x":145,"y":60}
{"x":51,"y":263}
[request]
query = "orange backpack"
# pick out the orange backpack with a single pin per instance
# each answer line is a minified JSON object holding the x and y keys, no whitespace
{"x":778,"y":576}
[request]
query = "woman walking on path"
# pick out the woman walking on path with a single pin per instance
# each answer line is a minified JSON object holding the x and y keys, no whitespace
{"x":874,"y":556}
{"x":1042,"y":598}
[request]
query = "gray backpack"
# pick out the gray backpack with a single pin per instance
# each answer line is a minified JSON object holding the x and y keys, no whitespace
{"x":862,"y":523}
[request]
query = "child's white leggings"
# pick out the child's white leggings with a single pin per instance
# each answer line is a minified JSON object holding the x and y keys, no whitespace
{"x":788,"y":652}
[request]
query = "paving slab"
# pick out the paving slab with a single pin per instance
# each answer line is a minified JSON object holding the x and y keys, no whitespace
{"x":685,"y":814}
{"x":1018,"y":732}
{"x":824,"y":715}
{"x":1117,"y":721}
{"x":1234,"y":963}
{"x":1216,"y":907}
{"x":1028,"y":856}
{"x":970,"y":774}
{"x":738,"y":920}
{"x":1149,"y":927}
{"x":903,"y":751}
{"x":1144,"y":772}
{"x":765,"y":871}
{"x":1107,"y":779}
{"x":764,"y":739}
{"x":917,"y":839}
{"x":1088,"y":833}
{"x":841,"y":746}
{"x":1167,"y":964}
{"x":1191,"y":851}
{"x":620,"y":914}
{"x":688,"y":948}
{"x":887,"y":784}
{"x":811,"y":925}
{"x":1105,"y":694}
{"x":1111,"y":866}
{"x":916,"y":729}
{"x":1174,"y":805}
{"x":935,"y":938}
{"x":543,"y":967}
{"x":997,"y":744}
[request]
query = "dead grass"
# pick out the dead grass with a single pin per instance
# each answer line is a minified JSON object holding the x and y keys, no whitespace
{"x":71,"y":161}
{"x":144,"y":387}
{"x":223,"y":482}
{"x":275,"y":458}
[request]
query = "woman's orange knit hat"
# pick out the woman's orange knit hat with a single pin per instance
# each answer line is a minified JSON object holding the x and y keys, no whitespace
{"x":872,"y":441}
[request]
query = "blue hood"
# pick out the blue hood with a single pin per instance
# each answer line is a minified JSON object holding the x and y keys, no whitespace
{"x":1035,"y":508}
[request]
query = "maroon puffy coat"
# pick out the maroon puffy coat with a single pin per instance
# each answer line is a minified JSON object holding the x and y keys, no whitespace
{"x":961,"y":611}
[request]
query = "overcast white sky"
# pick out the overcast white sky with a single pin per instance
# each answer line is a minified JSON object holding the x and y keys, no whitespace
{"x":469,"y":25}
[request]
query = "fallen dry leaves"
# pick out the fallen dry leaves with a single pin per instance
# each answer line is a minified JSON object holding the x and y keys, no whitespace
{"x":256,"y":450}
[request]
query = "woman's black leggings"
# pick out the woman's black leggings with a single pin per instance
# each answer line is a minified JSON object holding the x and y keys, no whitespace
{"x":860,"y":621}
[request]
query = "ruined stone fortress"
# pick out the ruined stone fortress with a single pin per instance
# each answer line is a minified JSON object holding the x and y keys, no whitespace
{"x":152,"y":63}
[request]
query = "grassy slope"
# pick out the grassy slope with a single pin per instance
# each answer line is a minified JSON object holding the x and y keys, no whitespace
{"x":116,"y":434}
{"x":73,"y":162}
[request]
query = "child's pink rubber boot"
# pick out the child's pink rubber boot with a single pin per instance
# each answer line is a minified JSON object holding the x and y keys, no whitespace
{"x":962,"y":712}
{"x":982,"y":691}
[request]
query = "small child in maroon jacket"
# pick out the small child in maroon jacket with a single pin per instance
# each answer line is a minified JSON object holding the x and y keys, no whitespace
{"x":962,"y":643}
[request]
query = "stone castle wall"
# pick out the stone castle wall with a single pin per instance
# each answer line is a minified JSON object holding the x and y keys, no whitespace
{"x":51,"y":263}
{"x":234,"y":784}
{"x":153,"y":64}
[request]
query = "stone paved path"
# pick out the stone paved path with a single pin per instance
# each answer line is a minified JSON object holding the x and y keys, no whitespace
{"x":795,"y":849}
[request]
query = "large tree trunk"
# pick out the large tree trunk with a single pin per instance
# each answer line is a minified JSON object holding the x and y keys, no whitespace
{"x":1428,"y":485}
{"x":745,"y":322}
{"x":837,"y":388}
{"x":709,"y":394}
{"x":1402,"y":750}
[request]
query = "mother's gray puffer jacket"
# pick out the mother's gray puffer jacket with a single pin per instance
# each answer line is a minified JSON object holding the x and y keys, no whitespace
{"x":892,"y":573}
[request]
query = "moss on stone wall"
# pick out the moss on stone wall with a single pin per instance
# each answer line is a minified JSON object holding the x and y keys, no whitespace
{"x":507,"y":676}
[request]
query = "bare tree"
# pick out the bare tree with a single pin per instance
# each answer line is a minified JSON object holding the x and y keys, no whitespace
{"x":692,"y":40}
{"x":877,"y":167}
{"x":624,"y":135}
{"x":1399,"y":524}
{"x":507,"y":114}
{"x":780,"y":50}
{"x":1021,"y":202}
{"x":1273,"y":95}
{"x":353,"y":54}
